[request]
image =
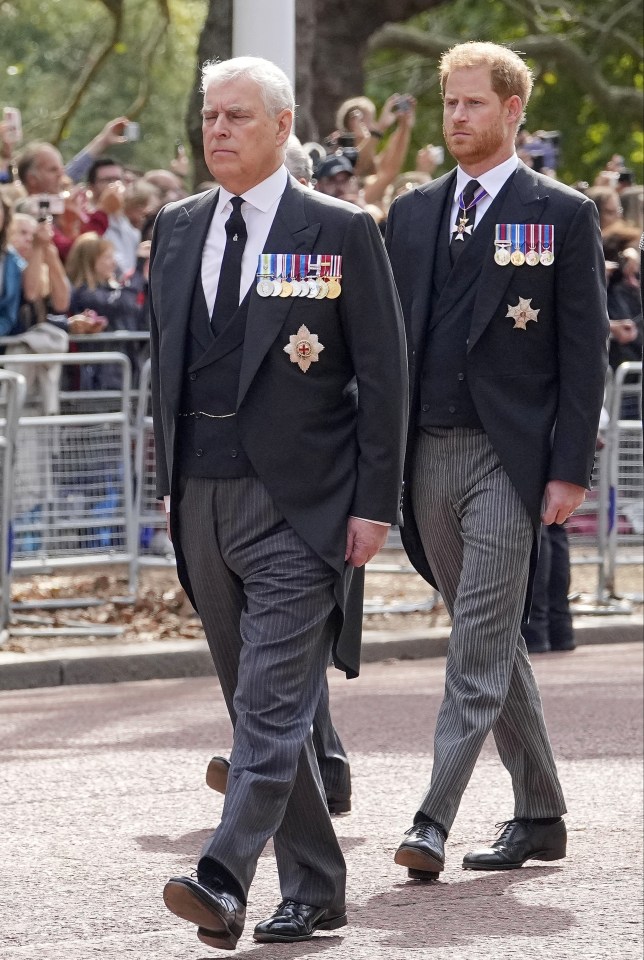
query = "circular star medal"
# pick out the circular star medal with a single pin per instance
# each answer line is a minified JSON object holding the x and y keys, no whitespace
{"x":277,"y":288}
{"x":265,"y":288}
{"x":502,"y":256}
{"x":334,"y":289}
{"x":287,"y":289}
{"x":313,"y":288}
{"x":517,"y":258}
{"x":532,"y":258}
{"x":547,"y":257}
{"x":322,"y":289}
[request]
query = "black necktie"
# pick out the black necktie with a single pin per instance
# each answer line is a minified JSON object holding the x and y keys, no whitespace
{"x":461,"y":237}
{"x":228,"y":288}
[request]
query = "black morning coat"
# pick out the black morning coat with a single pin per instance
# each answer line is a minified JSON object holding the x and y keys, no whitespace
{"x":538,"y":392}
{"x":328,"y":443}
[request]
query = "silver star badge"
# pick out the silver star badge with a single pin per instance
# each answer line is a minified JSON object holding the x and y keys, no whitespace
{"x":462,"y":228}
{"x":304,"y":348}
{"x":522,"y":313}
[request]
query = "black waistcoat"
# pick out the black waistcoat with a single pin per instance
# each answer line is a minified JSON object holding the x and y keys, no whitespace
{"x":445,"y":399}
{"x":209,"y":446}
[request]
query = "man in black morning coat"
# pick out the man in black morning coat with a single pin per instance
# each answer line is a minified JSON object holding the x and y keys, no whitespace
{"x":279,"y":425}
{"x":501,"y":278}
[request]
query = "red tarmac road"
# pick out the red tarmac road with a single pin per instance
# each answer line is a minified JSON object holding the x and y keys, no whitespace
{"x":103,"y":798}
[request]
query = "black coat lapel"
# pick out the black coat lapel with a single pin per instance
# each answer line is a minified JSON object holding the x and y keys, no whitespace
{"x":290,"y":233}
{"x":182,"y":261}
{"x":424,"y":234}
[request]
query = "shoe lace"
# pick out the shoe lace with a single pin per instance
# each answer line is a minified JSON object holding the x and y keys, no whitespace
{"x":505,"y":827}
{"x":426,"y":829}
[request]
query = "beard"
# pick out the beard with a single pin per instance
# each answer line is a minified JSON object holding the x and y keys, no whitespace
{"x":478,"y":146}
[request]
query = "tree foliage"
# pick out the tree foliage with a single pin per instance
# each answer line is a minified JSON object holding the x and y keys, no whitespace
{"x":70,"y":67}
{"x":586,"y":56}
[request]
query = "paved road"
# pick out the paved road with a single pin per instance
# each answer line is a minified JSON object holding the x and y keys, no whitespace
{"x":102,"y":798}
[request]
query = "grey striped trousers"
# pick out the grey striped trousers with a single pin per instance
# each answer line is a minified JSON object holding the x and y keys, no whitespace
{"x":267,"y":604}
{"x":477,"y":536}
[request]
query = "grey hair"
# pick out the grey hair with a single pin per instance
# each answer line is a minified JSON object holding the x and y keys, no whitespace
{"x":274,"y":86}
{"x":298,"y":162}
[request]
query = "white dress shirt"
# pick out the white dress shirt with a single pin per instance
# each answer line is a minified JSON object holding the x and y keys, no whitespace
{"x":491,"y":181}
{"x":258,"y":210}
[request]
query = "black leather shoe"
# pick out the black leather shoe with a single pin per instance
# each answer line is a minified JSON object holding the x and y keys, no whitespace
{"x":423,"y":853}
{"x":562,"y":644}
{"x":294,"y":921}
{"x":217,"y":774}
{"x":339,"y":804}
{"x":217,"y":778}
{"x":217,"y":913}
{"x":520,"y":840}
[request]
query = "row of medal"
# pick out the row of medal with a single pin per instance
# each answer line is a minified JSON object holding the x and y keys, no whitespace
{"x":314,"y":276}
{"x":519,"y":243}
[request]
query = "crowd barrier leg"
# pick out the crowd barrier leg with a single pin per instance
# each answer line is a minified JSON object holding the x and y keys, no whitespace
{"x":13,"y":390}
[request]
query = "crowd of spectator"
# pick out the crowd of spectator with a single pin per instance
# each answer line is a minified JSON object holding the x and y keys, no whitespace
{"x":75,"y":237}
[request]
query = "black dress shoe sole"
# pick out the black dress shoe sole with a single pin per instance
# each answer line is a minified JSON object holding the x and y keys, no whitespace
{"x":418,"y":860}
{"x":425,"y":875}
{"x":186,"y":904}
{"x":330,"y":923}
{"x":547,"y":855}
{"x":220,"y":941}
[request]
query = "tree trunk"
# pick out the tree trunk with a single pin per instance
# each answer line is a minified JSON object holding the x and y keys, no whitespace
{"x":215,"y":43}
{"x":342,"y":30}
{"x":331,"y":41}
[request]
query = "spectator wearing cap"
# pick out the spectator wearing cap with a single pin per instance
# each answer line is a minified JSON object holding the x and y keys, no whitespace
{"x":358,"y":117}
{"x":335,"y":176}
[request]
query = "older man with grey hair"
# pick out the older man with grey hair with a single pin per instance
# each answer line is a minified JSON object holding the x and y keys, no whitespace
{"x":279,"y":398}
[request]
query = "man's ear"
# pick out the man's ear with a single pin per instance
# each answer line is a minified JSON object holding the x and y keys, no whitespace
{"x":284,"y":125}
{"x":514,"y":108}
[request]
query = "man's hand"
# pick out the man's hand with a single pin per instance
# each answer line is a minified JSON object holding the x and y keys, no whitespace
{"x":364,"y":540}
{"x":111,"y":134}
{"x":561,"y":499}
{"x":623,"y":331}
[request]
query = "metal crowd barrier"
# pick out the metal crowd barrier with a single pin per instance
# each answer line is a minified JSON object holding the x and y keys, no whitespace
{"x":13,"y":390}
{"x":78,"y":502}
{"x":78,"y":396}
{"x":73,"y":504}
{"x":626,"y":478}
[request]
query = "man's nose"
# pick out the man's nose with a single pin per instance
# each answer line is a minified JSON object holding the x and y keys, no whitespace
{"x":459,"y":112}
{"x":220,"y":126}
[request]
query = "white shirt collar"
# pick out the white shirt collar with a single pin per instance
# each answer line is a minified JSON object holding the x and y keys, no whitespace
{"x":492,"y":180}
{"x":262,"y":196}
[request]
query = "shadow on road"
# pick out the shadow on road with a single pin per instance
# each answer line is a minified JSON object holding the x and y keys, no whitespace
{"x":441,"y":914}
